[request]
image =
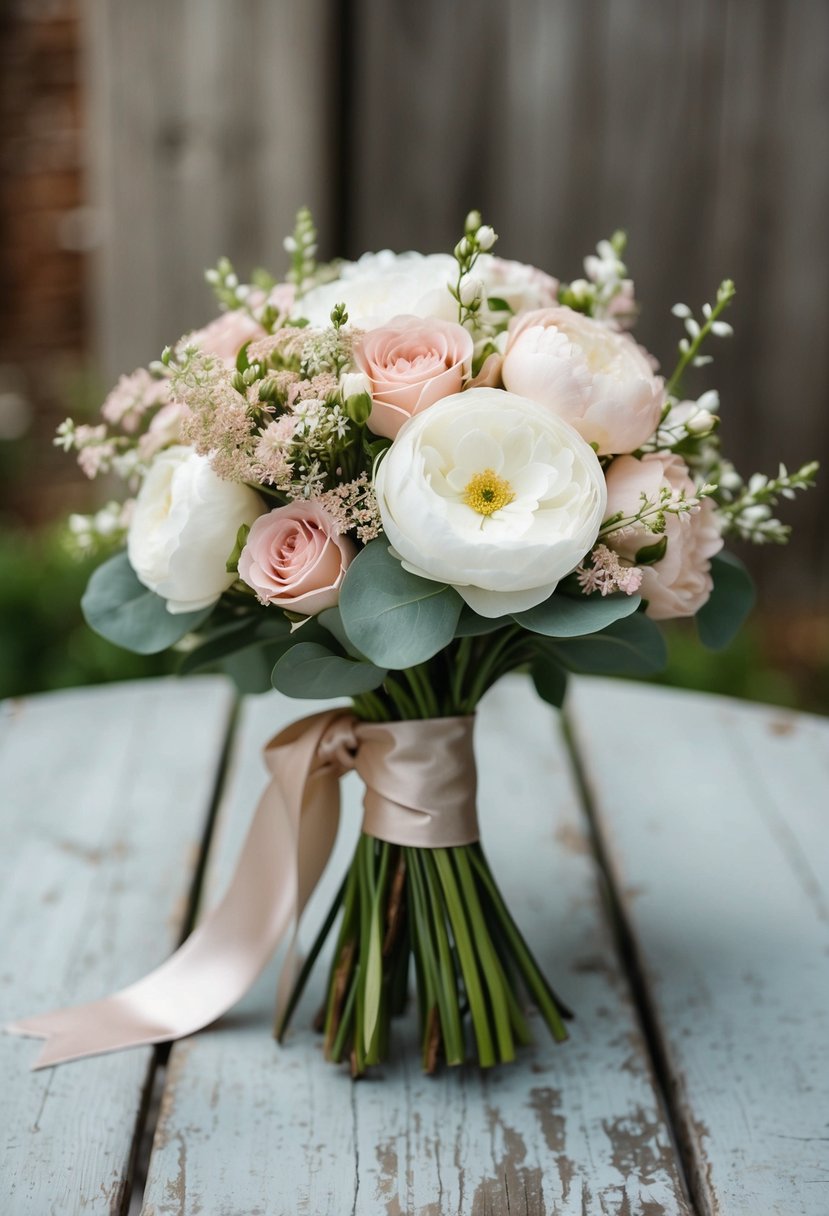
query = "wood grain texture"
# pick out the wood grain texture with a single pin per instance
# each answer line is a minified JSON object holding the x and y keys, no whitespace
{"x":106,"y":797}
{"x":715,"y":824}
{"x":247,"y":1127}
{"x":210,"y":124}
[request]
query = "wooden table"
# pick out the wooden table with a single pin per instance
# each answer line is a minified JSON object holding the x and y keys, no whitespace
{"x":670,"y":865}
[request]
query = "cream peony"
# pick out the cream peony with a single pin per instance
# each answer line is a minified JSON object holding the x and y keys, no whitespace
{"x":492,"y":494}
{"x":589,"y":373}
{"x":410,"y":364}
{"x":384,"y":285}
{"x":680,"y":583}
{"x":184,"y":527}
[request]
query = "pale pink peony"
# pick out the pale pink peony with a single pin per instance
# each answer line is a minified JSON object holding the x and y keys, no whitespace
{"x":680,"y":583}
{"x":294,"y":558}
{"x":411,"y":363}
{"x":588,"y":373}
{"x":225,"y":337}
{"x":164,"y":430}
{"x":523,"y":287}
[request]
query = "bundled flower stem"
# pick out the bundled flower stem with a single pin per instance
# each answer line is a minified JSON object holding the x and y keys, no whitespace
{"x":442,"y":908}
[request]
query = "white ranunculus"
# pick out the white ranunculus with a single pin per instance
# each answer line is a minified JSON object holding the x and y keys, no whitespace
{"x":384,"y":285}
{"x":184,"y":527}
{"x":492,"y":494}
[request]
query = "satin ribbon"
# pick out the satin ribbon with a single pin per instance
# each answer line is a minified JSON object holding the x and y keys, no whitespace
{"x":420,"y":790}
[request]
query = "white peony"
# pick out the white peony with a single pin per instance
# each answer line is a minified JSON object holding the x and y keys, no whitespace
{"x":184,"y":527}
{"x":380,"y":286}
{"x":492,"y":494}
{"x":384,"y":285}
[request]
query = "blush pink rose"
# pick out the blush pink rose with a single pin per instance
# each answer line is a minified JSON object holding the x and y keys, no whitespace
{"x":411,"y":363}
{"x":294,"y":558}
{"x":589,"y":373}
{"x":680,"y":583}
{"x":225,"y":337}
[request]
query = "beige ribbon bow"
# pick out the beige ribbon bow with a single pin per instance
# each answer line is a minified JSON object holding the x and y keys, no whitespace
{"x":420,"y":790}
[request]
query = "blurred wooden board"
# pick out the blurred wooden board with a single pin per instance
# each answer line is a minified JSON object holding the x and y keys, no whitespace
{"x":107,"y":793}
{"x":715,"y":822}
{"x":248,"y":1127}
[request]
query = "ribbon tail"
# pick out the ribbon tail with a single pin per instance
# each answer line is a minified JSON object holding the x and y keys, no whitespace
{"x":220,"y":960}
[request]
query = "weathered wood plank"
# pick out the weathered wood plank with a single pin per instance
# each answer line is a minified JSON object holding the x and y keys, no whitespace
{"x":195,"y":152}
{"x":107,"y":792}
{"x":248,"y":1127}
{"x":714,"y":817}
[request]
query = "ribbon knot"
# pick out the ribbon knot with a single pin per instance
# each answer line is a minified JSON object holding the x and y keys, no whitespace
{"x":420,"y":791}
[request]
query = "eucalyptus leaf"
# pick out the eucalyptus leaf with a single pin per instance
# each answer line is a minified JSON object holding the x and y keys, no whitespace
{"x":470,"y":625}
{"x":309,"y":670}
{"x":269,"y":629}
{"x":720,"y":619}
{"x":633,"y":646}
{"x":331,"y":619}
{"x":122,"y":610}
{"x":570,"y":616}
{"x":549,"y":678}
{"x":393,"y":617}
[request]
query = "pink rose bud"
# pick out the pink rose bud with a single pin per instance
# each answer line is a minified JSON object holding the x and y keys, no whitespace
{"x":294,"y":558}
{"x":411,"y":363}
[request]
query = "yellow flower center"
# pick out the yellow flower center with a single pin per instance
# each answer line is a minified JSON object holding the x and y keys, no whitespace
{"x":486,"y":492}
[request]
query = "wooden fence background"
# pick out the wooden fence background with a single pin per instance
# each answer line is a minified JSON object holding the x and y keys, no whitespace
{"x":701,"y":127}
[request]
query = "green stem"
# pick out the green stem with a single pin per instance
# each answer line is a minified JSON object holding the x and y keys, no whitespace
{"x":488,"y":664}
{"x":540,"y":990}
{"x":305,"y":971}
{"x":403,"y":703}
{"x":458,"y":672}
{"x":450,"y":1013}
{"x":466,"y":954}
{"x":493,"y":975}
{"x":725,"y":295}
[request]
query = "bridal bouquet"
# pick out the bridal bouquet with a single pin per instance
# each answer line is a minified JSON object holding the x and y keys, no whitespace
{"x":395,"y":480}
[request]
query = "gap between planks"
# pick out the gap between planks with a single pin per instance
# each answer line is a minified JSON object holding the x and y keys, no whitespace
{"x":147,"y":1121}
{"x":631,"y":964}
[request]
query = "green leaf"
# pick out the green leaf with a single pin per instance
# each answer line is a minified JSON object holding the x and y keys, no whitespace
{"x":630,"y":647}
{"x":549,"y":678}
{"x":648,"y":554}
{"x":232,"y":563}
{"x":122,"y":610}
{"x":243,"y":634}
{"x":393,"y":617}
{"x":569,"y":616}
{"x":496,"y":304}
{"x":719,"y":620}
{"x":470,"y":625}
{"x":331,"y":620}
{"x":310,"y":670}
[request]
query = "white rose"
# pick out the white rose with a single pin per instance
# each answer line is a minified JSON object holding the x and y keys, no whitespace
{"x":384,"y":285}
{"x":184,"y":527}
{"x":492,"y":494}
{"x":593,"y":376}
